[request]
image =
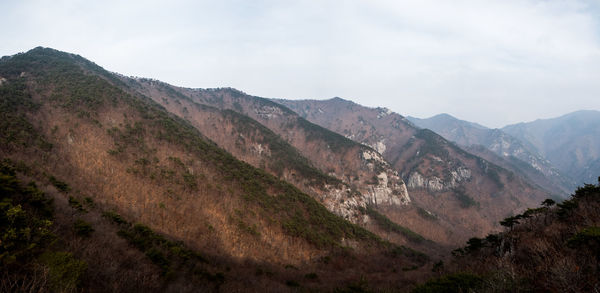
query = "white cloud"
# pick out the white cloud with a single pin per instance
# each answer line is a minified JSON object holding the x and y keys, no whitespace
{"x":494,"y":62}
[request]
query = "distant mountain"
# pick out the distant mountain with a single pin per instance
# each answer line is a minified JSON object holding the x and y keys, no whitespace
{"x":517,"y":155}
{"x":571,"y":142}
{"x":465,"y":193}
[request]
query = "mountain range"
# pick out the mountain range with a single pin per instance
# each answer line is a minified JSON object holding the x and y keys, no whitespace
{"x":558,"y":154}
{"x":219,"y":190}
{"x":570,"y":142}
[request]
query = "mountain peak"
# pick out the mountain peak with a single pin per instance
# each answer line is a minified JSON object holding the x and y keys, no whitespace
{"x":443,"y":115}
{"x":340,"y":100}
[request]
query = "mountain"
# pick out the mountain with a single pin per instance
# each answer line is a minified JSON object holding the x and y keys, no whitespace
{"x":512,"y":153}
{"x":570,"y":142}
{"x":453,"y":193}
{"x":336,"y":170}
{"x":103,"y":189}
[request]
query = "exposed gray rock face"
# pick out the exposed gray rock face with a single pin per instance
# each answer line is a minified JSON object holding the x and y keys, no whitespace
{"x":389,"y":188}
{"x":343,"y":203}
{"x":386,"y":189}
{"x":268,"y":112}
{"x":433,"y":183}
{"x":436,"y":184}
{"x":379,"y":146}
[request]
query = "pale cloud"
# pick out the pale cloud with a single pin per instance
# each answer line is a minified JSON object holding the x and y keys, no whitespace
{"x":493,"y":62}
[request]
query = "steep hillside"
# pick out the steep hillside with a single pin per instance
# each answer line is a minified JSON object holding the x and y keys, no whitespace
{"x":249,"y":141}
{"x":518,"y":157}
{"x":366,"y":178}
{"x":546,"y":249}
{"x":170,"y":190}
{"x":457,"y":194}
{"x":570,"y":142}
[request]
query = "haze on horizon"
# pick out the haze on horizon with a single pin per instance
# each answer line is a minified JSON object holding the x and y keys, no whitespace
{"x":491,"y":62}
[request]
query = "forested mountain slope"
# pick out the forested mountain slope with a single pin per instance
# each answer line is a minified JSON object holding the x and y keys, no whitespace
{"x":198,"y":217}
{"x":552,"y":248}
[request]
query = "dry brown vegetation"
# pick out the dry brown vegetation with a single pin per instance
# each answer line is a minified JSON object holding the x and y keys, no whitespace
{"x":288,"y":147}
{"x":182,"y":214}
{"x":102,"y":189}
{"x":546,"y":249}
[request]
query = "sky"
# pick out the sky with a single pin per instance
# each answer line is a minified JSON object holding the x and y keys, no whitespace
{"x":491,"y":62}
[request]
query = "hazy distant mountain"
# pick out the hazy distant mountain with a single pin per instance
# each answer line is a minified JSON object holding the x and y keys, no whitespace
{"x":570,"y":142}
{"x":518,"y":156}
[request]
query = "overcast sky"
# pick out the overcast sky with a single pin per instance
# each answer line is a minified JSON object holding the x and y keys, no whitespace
{"x":491,"y":62}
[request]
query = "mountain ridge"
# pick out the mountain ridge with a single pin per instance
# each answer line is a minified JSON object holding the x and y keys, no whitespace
{"x":96,"y":142}
{"x":569,"y":141}
{"x":512,"y":151}
{"x":434,"y":169}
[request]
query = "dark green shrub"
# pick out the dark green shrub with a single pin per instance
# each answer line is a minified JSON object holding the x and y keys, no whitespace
{"x":589,"y":236}
{"x":509,"y":222}
{"x":566,"y":207}
{"x":114,"y":217}
{"x":157,"y":257}
{"x":464,"y":200}
{"x":417,"y":256}
{"x":60,"y":185}
{"x":83,"y":228}
{"x":75,"y":203}
{"x":455,"y":283}
{"x":390,"y":226}
{"x":438,"y":266}
{"x":25,"y":219}
{"x":64,"y":270}
{"x":493,"y":239}
{"x":474,"y":244}
{"x":548,"y":202}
